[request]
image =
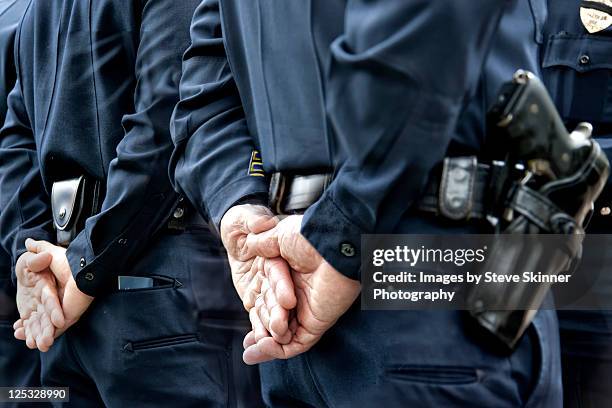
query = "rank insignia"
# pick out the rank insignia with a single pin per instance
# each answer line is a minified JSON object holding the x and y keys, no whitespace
{"x":596,"y":15}
{"x":256,"y":165}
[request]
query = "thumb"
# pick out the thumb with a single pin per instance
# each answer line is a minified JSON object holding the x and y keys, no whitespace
{"x":38,"y":262}
{"x":260,"y":223}
{"x":264,"y":244}
{"x":38,"y":247}
{"x":58,"y":258}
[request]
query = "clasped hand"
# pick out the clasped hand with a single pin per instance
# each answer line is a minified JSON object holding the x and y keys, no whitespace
{"x":292,"y":294}
{"x":48,"y":299}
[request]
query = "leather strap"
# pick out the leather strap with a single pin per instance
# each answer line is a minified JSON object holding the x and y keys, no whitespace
{"x":460,"y":193}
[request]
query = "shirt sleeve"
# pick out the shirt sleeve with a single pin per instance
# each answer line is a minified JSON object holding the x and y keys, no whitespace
{"x":213,"y":159}
{"x":399,"y":76}
{"x":26,"y":210}
{"x":139,"y":197}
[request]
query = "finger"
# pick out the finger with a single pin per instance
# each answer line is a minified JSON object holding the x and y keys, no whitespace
{"x":39,"y":262}
{"x":279,"y":325}
{"x":38,"y":247}
{"x":52,"y":305}
{"x":260,"y":223}
{"x":18,"y":324}
{"x":276,"y":318}
{"x":278,"y":273}
{"x":44,"y":340}
{"x":253,"y":355}
{"x":20,"y":334}
{"x":36,"y":325}
{"x":262,"y":312}
{"x":29,"y":337}
{"x":269,"y":347}
{"x":253,"y":288}
{"x":249,"y":339}
{"x":258,"y":327}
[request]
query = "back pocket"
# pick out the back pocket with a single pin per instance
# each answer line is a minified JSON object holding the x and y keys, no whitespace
{"x":435,"y":375}
{"x":161,"y":342}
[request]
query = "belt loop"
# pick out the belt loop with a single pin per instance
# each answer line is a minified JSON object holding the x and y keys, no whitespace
{"x":276,"y":193}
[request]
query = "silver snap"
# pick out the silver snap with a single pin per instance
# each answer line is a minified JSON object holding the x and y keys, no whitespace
{"x":62,"y":212}
{"x":178,"y":213}
{"x":456,"y":202}
{"x":585,"y":59}
{"x":122,"y":241}
{"x":347,"y":250}
{"x":82,"y":263}
{"x":89,"y":276}
{"x":459,"y":174}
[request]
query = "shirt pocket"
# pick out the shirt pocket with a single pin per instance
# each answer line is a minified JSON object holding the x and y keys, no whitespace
{"x":577,"y":72}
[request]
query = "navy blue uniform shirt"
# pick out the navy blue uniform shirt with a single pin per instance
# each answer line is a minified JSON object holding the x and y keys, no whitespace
{"x":97,"y":82}
{"x":371,"y":90}
{"x":11,"y":12}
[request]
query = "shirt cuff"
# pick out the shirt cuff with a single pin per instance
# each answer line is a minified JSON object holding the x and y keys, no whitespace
{"x":89,"y":272}
{"x":334,"y":236}
{"x":230,"y":195}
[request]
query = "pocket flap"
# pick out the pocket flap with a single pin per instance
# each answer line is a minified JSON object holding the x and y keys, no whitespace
{"x":582,"y":53}
{"x":65,"y":201}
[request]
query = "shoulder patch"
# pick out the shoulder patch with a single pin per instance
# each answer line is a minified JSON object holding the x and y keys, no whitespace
{"x":256,"y":165}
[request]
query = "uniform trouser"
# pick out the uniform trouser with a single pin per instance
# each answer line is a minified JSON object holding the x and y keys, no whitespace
{"x":175,"y":345}
{"x":586,"y":350}
{"x":19,"y":366}
{"x":418,"y":359}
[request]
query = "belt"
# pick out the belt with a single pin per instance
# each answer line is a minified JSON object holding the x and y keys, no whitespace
{"x":459,"y":192}
{"x":293,"y":194}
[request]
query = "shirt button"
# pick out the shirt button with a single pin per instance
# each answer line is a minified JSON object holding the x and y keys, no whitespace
{"x":89,"y":276}
{"x":585,"y":59}
{"x":83,"y":263}
{"x":347,"y":250}
{"x":605,"y":211}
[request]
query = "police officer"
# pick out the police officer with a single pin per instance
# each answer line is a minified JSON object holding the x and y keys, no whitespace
{"x":88,"y":122}
{"x":576,"y":67}
{"x":19,"y":366}
{"x":348,"y":107}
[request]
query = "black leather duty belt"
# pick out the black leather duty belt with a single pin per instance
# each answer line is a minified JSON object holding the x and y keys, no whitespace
{"x":459,"y":192}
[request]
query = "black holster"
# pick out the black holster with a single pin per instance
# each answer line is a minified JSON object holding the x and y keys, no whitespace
{"x":73,"y":201}
{"x":564,"y":175}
